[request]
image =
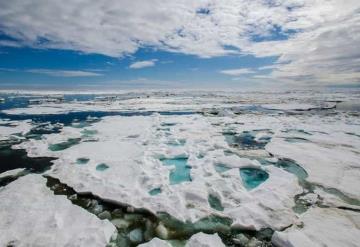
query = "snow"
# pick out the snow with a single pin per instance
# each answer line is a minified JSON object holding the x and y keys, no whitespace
{"x":322,"y":227}
{"x":31,"y":215}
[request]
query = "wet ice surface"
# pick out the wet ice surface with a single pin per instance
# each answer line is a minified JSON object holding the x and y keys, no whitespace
{"x":253,"y":177}
{"x":181,"y":172}
{"x":169,"y":166}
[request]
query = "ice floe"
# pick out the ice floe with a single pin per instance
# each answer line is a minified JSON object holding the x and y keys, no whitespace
{"x":13,"y":129}
{"x":156,"y":242}
{"x":12,"y":173}
{"x":330,"y":162}
{"x":133,"y":150}
{"x":322,"y":227}
{"x":31,"y":215}
{"x":204,"y":240}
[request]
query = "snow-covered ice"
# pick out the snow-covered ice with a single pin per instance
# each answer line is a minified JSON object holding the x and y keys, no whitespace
{"x":322,"y":227}
{"x":31,"y":215}
{"x":12,"y":128}
{"x":156,"y":242}
{"x":204,"y":240}
{"x":197,"y":240}
{"x":330,"y":158}
{"x":12,"y":173}
{"x":132,"y":148}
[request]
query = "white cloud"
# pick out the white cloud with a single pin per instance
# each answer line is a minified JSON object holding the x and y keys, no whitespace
{"x":323,"y":49}
{"x":237,"y":72}
{"x":9,"y":43}
{"x":143,"y":64}
{"x":63,"y":73}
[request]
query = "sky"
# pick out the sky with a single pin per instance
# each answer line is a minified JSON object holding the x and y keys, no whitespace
{"x":179,"y":44}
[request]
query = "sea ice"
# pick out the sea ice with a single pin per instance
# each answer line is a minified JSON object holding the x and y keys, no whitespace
{"x":11,"y":128}
{"x":328,"y":162}
{"x":155,"y":242}
{"x":121,"y":159}
{"x":31,"y":215}
{"x":12,"y":173}
{"x":290,"y":106}
{"x":135,"y":168}
{"x":204,"y":240}
{"x":322,"y":227}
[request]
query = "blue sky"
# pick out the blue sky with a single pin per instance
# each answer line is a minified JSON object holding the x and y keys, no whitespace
{"x":188,"y":43}
{"x":29,"y":67}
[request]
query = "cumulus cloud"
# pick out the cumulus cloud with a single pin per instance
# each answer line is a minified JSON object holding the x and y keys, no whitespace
{"x":237,"y":72}
{"x":63,"y":73}
{"x":143,"y":64}
{"x":314,"y":41}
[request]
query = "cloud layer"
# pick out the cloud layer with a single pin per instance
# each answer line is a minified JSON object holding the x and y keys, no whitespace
{"x":63,"y":73}
{"x":315,"y":41}
{"x":237,"y":72}
{"x":143,"y":64}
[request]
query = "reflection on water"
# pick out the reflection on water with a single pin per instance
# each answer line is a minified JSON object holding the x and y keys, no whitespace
{"x":17,"y":158}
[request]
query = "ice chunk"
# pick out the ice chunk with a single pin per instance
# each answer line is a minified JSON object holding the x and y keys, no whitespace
{"x":136,"y":236}
{"x":120,"y":223}
{"x":162,"y":231}
{"x":155,"y":243}
{"x":9,"y":128}
{"x":12,"y":173}
{"x":205,"y":240}
{"x":241,"y":239}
